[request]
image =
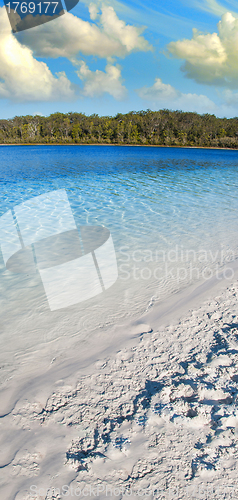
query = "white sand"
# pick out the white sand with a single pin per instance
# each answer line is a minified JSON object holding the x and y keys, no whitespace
{"x":157,"y":410}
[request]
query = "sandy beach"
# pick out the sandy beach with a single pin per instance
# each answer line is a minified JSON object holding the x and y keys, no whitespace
{"x":155,"y":415}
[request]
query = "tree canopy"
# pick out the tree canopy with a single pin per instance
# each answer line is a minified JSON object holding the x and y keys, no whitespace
{"x":164,"y":127}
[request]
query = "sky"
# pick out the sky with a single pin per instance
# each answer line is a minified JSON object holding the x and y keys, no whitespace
{"x":108,"y":57}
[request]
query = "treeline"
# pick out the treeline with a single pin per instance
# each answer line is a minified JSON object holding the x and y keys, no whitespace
{"x":164,"y":127}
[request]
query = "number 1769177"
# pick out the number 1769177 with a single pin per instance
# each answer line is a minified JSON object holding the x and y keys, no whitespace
{"x":32,"y":7}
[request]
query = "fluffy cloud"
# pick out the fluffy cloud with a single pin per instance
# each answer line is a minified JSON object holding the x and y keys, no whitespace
{"x":158,"y":92}
{"x":68,"y":35}
{"x":167,"y":96}
{"x":23,"y":78}
{"x":211,"y":58}
{"x":98,"y":82}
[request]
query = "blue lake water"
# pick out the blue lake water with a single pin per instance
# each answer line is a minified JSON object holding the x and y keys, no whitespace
{"x":172,"y":214}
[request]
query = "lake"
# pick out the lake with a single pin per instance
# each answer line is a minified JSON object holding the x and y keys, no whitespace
{"x":172,"y":215}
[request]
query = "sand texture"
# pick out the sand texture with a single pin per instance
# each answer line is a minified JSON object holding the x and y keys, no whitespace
{"x":157,"y":418}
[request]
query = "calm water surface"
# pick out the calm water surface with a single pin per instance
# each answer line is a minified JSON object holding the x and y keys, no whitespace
{"x":172,"y":214}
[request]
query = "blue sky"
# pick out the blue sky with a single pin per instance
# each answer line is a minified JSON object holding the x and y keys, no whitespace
{"x":112,"y":56}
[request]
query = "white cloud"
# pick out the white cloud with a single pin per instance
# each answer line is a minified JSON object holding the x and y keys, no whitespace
{"x":150,"y":14}
{"x":230,"y":98}
{"x":68,"y":35}
{"x":168,"y":97}
{"x":22,"y":77}
{"x":211,"y":58}
{"x":129,"y":36}
{"x":98,"y":82}
{"x":93,"y":11}
{"x":214,"y":7}
{"x":158,"y":92}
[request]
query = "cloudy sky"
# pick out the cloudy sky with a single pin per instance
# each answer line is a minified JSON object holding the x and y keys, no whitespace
{"x":110,"y":56}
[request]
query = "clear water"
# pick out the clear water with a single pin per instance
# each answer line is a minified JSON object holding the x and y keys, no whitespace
{"x":172,"y":214}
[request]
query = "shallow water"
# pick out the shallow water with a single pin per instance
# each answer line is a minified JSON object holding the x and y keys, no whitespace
{"x":172,"y":214}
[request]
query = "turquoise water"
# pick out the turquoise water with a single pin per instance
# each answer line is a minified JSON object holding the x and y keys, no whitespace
{"x":166,"y":209}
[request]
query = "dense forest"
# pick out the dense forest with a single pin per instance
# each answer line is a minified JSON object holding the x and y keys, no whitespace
{"x":164,"y":127}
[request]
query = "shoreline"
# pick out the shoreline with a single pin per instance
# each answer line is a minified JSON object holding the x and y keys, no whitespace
{"x":126,"y":145}
{"x":147,"y":400}
{"x":164,"y":313}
